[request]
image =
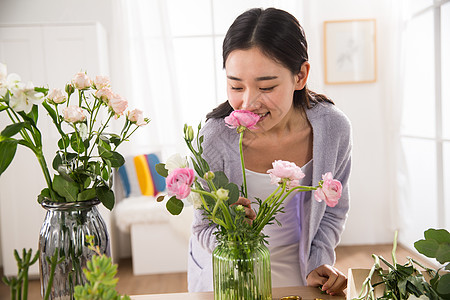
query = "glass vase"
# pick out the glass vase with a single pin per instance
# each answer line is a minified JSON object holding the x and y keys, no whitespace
{"x":241,"y":271}
{"x":63,"y":237}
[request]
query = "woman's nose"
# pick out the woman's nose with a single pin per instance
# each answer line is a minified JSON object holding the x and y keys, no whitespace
{"x":250,"y":100}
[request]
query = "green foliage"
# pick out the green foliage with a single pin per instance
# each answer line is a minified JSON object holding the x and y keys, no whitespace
{"x":100,"y":274}
{"x":402,"y":281}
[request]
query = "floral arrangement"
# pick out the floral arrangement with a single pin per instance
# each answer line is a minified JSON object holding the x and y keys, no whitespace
{"x":216,"y":196}
{"x":86,"y":152}
{"x":407,"y":281}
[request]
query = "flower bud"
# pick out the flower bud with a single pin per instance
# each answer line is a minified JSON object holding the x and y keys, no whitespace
{"x":69,"y":89}
{"x":209,"y":175}
{"x":189,"y":134}
{"x":222,"y":194}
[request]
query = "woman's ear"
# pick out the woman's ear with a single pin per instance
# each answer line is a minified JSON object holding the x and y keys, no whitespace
{"x":302,"y":77}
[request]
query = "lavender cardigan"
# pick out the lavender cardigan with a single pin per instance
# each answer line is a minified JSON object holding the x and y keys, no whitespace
{"x":321,"y":226}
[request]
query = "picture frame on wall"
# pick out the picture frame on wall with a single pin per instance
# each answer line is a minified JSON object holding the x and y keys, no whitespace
{"x":350,"y":51}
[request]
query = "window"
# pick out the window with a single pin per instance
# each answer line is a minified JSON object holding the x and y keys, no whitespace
{"x":425,"y":133}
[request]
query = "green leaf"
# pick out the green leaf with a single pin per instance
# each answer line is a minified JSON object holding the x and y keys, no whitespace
{"x":443,"y":287}
{"x":220,"y":179}
{"x":45,"y":193}
{"x":233,"y":193}
{"x":12,"y":129}
{"x":115,"y":158}
{"x":174,"y":206}
{"x":3,"y":107}
{"x":7,"y":151}
{"x":106,"y":196}
{"x":67,"y":189}
{"x":436,"y":245}
{"x":41,"y":90}
{"x":63,"y":142}
{"x":87,"y":194}
{"x":439,"y":235}
{"x":161,"y":169}
{"x":160,"y":199}
{"x":76,"y":143}
{"x":57,"y":161}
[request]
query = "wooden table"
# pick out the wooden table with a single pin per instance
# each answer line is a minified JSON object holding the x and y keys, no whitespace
{"x":306,"y":292}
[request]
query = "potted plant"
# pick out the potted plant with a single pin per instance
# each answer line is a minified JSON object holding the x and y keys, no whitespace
{"x":80,"y":175}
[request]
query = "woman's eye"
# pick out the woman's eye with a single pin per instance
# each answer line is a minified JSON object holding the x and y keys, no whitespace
{"x":267,"y":89}
{"x":236,"y":88}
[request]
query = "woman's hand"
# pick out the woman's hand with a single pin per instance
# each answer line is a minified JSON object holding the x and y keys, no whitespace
{"x":333,"y":281}
{"x":249,"y":212}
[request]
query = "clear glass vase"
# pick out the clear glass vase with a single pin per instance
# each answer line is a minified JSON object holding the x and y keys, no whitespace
{"x":242,"y":271}
{"x":64,"y":232}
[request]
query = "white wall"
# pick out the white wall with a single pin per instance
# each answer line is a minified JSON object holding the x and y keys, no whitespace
{"x":365,"y":104}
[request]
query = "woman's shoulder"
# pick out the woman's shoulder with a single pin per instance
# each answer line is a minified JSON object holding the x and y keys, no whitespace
{"x":325,"y":114}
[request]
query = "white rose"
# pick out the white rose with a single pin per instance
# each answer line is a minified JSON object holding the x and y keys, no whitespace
{"x":176,"y":161}
{"x":101,"y":82}
{"x":73,"y":114}
{"x":81,"y":81}
{"x":56,"y":96}
{"x":137,"y":116}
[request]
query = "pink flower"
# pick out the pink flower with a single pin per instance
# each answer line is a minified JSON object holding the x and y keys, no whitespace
{"x":118,"y":104}
{"x":137,"y":116}
{"x":56,"y":96}
{"x":242,"y":118}
{"x":101,"y":82}
{"x":179,"y":182}
{"x":73,"y":114}
{"x":285,"y":170}
{"x":330,"y":191}
{"x":81,"y":81}
{"x":105,"y":94}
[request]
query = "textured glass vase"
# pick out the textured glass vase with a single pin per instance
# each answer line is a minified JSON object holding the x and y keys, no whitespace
{"x":64,"y":232}
{"x":242,"y":271}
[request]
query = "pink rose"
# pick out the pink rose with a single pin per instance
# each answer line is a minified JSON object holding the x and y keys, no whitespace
{"x":330,"y":191}
{"x":118,"y":104}
{"x":81,"y":81}
{"x":179,"y":182}
{"x":73,"y":114}
{"x":137,"y":116}
{"x":105,"y":94}
{"x":56,"y":96}
{"x":242,"y":118}
{"x":286,"y":170}
{"x":101,"y":82}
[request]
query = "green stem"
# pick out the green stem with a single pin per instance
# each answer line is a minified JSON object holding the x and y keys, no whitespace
{"x":47,"y":175}
{"x":394,"y":249}
{"x":244,"y":179}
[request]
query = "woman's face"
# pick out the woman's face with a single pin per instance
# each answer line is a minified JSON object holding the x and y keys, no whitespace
{"x":261,"y":85}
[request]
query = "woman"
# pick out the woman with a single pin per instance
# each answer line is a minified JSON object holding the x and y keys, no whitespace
{"x":266,"y":62}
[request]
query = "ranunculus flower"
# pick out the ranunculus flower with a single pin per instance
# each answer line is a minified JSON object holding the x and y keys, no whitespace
{"x":179,"y":182}
{"x":195,"y":200}
{"x":101,"y":82}
{"x":81,"y":81}
{"x":118,"y":104}
{"x":24,"y":97}
{"x":136,"y":116}
{"x":73,"y":114}
{"x":56,"y":96}
{"x":105,"y":94}
{"x":330,"y":191}
{"x":287,"y":171}
{"x":222,"y":194}
{"x":176,"y":161}
{"x":242,"y":119}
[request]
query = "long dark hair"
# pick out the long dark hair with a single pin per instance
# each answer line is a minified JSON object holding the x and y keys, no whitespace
{"x":279,"y":35}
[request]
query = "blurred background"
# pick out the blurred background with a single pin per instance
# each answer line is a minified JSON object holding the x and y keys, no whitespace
{"x":164,"y":57}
